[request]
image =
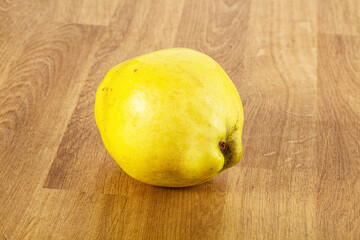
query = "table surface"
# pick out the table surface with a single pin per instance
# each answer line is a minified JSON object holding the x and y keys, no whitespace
{"x":295,"y":63}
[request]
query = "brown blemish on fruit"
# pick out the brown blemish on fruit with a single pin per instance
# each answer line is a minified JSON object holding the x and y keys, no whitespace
{"x":223,"y":147}
{"x":230,"y":154}
{"x":135,"y":70}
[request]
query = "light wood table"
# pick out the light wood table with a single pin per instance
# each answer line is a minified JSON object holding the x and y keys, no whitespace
{"x":296,"y":64}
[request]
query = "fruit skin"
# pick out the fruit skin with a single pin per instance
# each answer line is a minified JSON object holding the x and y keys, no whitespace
{"x":162,"y":116}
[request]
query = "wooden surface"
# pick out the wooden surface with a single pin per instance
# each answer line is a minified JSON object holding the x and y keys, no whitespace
{"x":296,"y":64}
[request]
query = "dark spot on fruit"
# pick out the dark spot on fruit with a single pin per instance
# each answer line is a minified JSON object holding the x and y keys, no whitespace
{"x":229,"y":154}
{"x":105,"y":89}
{"x":223,"y":147}
{"x":135,"y":70}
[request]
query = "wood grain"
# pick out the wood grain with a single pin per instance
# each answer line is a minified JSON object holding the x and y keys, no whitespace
{"x":296,"y":65}
{"x":339,"y":17}
{"x":47,"y":72}
{"x":338,"y":208}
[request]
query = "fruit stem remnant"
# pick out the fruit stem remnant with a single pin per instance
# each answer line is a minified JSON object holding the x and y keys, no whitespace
{"x":223,"y":147}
